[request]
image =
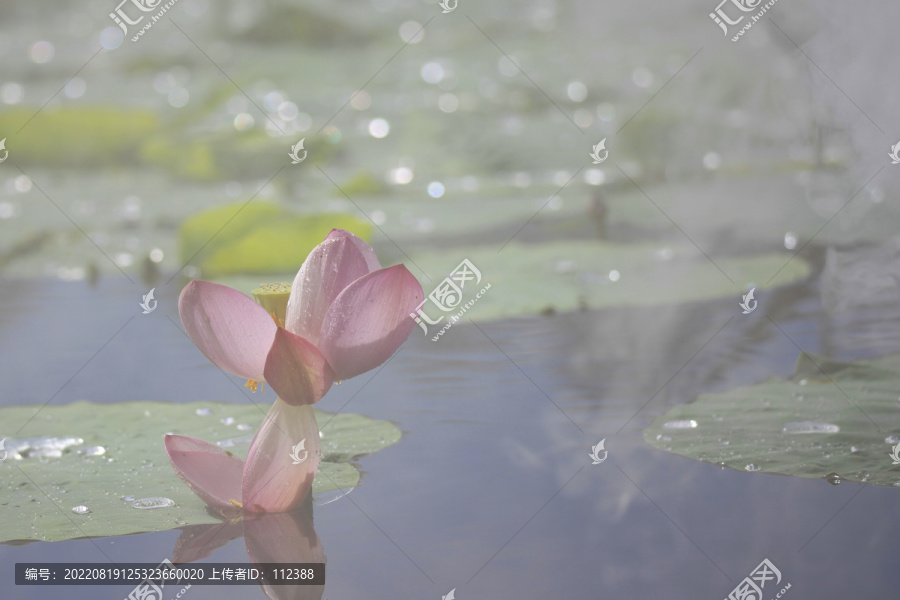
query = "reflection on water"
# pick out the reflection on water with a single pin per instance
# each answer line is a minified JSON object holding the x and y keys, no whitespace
{"x":278,"y":538}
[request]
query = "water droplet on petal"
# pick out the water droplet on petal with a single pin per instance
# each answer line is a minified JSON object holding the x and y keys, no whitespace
{"x":203,"y":412}
{"x":751,"y":467}
{"x":80,"y":509}
{"x":833,"y":479}
{"x":227,"y":421}
{"x":147,"y":503}
{"x":94,"y":451}
{"x":892,"y":439}
{"x":243,"y":427}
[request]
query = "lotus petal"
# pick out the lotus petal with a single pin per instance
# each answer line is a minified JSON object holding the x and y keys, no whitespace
{"x":296,"y":370}
{"x":330,"y":267}
{"x":210,"y":472}
{"x":232,"y":330}
{"x":369,"y":320}
{"x":364,"y":248}
{"x":271,"y":481}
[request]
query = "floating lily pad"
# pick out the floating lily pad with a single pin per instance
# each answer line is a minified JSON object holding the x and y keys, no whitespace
{"x":85,"y":136}
{"x":94,"y":456}
{"x":257,"y":238}
{"x":564,"y":276}
{"x":830,"y":418}
{"x":208,"y":156}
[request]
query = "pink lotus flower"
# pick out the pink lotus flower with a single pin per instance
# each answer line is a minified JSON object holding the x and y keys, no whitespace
{"x":345,"y":315}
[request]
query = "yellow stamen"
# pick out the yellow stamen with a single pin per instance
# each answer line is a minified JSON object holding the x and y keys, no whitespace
{"x":236,"y":503}
{"x":274,"y":298}
{"x":275,"y":318}
{"x":252,"y":384}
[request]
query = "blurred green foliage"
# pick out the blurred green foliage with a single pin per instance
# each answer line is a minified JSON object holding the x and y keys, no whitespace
{"x":364,"y":183}
{"x":194,"y":159}
{"x":286,"y":23}
{"x":257,"y":238}
{"x":101,"y":136}
{"x":76,"y":137}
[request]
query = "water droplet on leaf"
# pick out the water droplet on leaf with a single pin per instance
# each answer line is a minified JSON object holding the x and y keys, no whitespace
{"x":148,"y":503}
{"x":810,"y":427}
{"x":684,"y":424}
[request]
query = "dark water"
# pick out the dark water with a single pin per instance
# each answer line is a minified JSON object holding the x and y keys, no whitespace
{"x":491,"y":490}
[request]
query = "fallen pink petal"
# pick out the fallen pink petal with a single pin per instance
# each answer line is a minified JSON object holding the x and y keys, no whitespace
{"x":211,"y":472}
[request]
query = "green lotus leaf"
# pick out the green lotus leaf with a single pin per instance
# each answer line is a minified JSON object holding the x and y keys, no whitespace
{"x":565,"y":276}
{"x":107,"y":456}
{"x":831,"y":418}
